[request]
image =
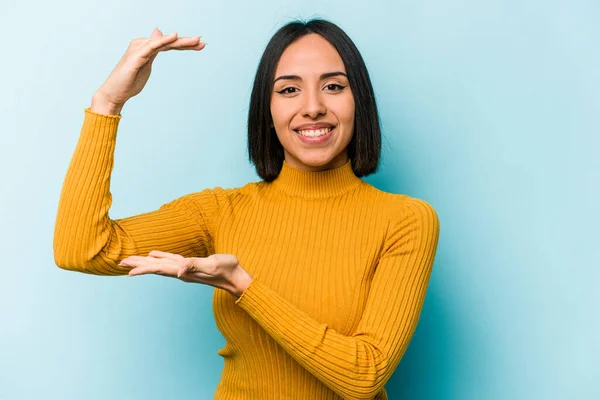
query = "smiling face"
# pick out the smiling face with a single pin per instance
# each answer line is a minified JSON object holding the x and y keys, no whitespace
{"x":312,"y":105}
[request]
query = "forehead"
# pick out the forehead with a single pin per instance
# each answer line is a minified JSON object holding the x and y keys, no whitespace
{"x":309,"y":54}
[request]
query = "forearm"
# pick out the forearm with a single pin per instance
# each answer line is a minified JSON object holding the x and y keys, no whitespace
{"x":353,"y":366}
{"x":358,"y":365}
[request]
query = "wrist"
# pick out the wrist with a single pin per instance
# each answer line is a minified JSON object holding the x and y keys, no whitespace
{"x":101,"y":105}
{"x":241,"y":282}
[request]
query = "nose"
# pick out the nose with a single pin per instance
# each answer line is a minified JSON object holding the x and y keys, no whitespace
{"x":313,"y":106}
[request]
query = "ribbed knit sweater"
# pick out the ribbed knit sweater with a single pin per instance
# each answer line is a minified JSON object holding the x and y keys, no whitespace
{"x":340,"y":268}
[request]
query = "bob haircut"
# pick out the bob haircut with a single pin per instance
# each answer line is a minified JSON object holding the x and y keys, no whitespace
{"x":264,"y":149}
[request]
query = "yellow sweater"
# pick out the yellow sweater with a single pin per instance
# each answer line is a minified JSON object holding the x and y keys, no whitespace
{"x":340,"y":268}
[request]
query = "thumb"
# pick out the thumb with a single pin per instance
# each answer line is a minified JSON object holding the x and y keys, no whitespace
{"x":156,"y":33}
{"x":185,"y":265}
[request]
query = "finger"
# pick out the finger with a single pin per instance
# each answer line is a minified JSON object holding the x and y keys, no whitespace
{"x":150,"y":265}
{"x":156,"y":33}
{"x":125,"y":264}
{"x":184,"y":46}
{"x":150,"y":270}
{"x":134,"y":260}
{"x":155,"y":43}
{"x":181,"y":46}
{"x":138,"y":43}
{"x":164,"y":254}
{"x":188,"y":43}
{"x":158,"y":269}
{"x":137,"y":271}
{"x":138,"y":261}
{"x":182,"y":268}
{"x":193,"y":43}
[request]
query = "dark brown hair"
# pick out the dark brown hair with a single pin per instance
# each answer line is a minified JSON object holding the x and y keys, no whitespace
{"x":264,"y":149}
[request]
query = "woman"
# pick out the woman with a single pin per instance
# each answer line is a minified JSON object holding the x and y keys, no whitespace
{"x":319,"y":277}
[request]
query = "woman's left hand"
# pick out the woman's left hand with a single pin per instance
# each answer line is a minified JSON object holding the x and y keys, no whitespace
{"x":222,"y":271}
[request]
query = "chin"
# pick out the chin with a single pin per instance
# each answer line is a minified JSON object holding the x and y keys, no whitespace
{"x":315,"y":161}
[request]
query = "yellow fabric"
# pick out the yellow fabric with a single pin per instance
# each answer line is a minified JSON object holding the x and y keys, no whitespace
{"x":341,"y":268}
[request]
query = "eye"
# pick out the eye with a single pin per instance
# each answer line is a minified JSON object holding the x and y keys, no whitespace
{"x":287,"y":90}
{"x":334,"y":87}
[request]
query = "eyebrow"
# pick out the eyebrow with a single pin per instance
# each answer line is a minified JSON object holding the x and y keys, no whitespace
{"x":323,"y":76}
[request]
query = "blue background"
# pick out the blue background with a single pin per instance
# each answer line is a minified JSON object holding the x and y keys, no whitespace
{"x":490,"y":111}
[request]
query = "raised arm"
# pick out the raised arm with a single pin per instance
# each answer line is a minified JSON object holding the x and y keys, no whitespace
{"x":85,"y":238}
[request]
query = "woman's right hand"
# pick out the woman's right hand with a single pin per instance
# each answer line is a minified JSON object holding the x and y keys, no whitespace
{"x":133,"y":70}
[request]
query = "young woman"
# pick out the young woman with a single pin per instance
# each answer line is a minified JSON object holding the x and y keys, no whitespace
{"x":319,"y":277}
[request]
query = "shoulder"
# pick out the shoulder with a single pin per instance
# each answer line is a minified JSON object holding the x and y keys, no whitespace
{"x":398,"y":206}
{"x":410,"y":220}
{"x":405,"y":206}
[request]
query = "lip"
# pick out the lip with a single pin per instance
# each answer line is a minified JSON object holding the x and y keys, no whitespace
{"x":314,"y":125}
{"x":316,"y":140}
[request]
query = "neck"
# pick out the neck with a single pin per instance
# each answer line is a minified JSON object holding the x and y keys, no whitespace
{"x":297,"y":182}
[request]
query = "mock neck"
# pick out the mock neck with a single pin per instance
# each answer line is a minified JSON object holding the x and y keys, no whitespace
{"x":297,"y":182}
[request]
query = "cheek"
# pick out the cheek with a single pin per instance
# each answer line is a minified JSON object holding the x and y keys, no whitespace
{"x":344,"y":110}
{"x":346,"y":116}
{"x":281,"y":121}
{"x":281,"y":113}
{"x":350,"y":109}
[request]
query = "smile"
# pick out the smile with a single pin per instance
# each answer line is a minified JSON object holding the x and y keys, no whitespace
{"x":313,"y":136}
{"x":314,"y":132}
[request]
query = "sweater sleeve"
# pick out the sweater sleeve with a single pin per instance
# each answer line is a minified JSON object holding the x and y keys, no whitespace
{"x":358,"y":366}
{"x":87,"y":240}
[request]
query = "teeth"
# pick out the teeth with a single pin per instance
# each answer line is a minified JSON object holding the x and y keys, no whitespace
{"x":314,"y":132}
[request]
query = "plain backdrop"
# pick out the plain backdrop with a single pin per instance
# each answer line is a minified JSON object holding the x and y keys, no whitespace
{"x":490,"y":112}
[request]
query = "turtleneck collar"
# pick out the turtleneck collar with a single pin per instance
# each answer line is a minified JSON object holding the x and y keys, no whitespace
{"x":312,"y":185}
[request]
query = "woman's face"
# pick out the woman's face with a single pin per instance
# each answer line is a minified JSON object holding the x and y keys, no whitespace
{"x":312,"y":105}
